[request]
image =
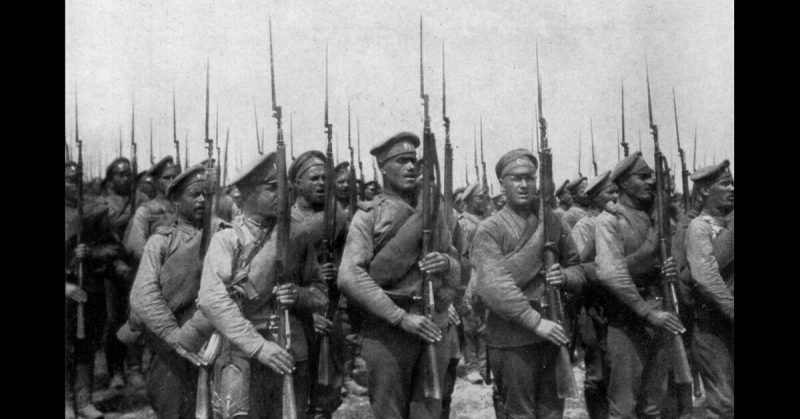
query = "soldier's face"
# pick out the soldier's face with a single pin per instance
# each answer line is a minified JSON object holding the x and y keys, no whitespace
{"x":519,"y":186}
{"x":168,"y":176}
{"x":580,"y":193}
{"x":640,"y":186}
{"x":566,"y":198}
{"x":121,"y":179}
{"x":400,"y":174}
{"x":720,"y":194}
{"x":608,"y":194}
{"x":146,"y":186}
{"x":267,"y":199}
{"x":476,"y":204}
{"x":191,"y":203}
{"x":369,"y":192}
{"x":311,"y":185}
{"x":70,"y":181}
{"x":341,"y":185}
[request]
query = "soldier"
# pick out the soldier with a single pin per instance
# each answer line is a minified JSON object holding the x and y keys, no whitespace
{"x":564,"y":199}
{"x":580,"y":203}
{"x":159,"y":211}
{"x":371,"y":189}
{"x":458,"y":199}
{"x":711,"y":234}
{"x":381,"y":271}
{"x":238,"y":292}
{"x":117,"y":198}
{"x":342,"y":175}
{"x":163,"y":297}
{"x":639,"y":330}
{"x":145,"y":184}
{"x":471,"y":310}
{"x":510,"y":283}
{"x":591,"y":322}
{"x":498,"y":202}
{"x":307,"y":174}
{"x":97,"y":251}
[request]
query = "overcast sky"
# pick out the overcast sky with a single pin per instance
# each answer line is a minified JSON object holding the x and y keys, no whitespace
{"x":119,"y":51}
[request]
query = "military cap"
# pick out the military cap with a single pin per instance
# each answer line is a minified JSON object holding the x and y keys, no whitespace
{"x":259,"y":169}
{"x":709,"y":174}
{"x":513,"y":159}
{"x":574,"y":183}
{"x":142,"y":174}
{"x":341,"y":168}
{"x":458,"y":195}
{"x":597,"y":184}
{"x":196,"y":173}
{"x":563,"y":188}
{"x":115,"y":164}
{"x":470,"y":190}
{"x":459,"y":190}
{"x":631,"y":164}
{"x":372,"y":182}
{"x":304,"y":162}
{"x":401,"y":143}
{"x":162,"y":166}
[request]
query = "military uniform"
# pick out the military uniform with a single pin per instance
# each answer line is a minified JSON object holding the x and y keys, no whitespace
{"x":574,"y":214}
{"x":163,"y":300}
{"x":380,"y":257}
{"x":510,"y":281}
{"x":242,"y":383}
{"x":639,"y":356}
{"x":713,"y":286}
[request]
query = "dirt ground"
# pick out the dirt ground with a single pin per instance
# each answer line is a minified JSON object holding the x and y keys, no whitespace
{"x":470,"y":401}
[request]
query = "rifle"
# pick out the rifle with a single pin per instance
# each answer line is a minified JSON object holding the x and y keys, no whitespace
{"x":579,"y":154}
{"x":360,"y":166}
{"x":225,"y":167}
{"x":430,"y":207}
{"x":466,"y":168}
{"x":67,"y":153}
{"x":624,"y":144}
{"x":552,"y":304}
{"x":175,"y":133}
{"x":81,"y":326}
{"x":682,"y":372}
{"x":475,"y":153}
{"x":694,"y":158}
{"x":186,"y":149}
{"x":203,"y":402}
{"x":284,"y":337}
{"x":684,"y":170}
{"x":448,"y":148}
{"x":291,"y":135}
{"x":591,"y":134}
{"x":483,"y":162}
{"x":351,"y":179}
{"x":120,"y":141}
{"x":216,"y":144}
{"x":325,"y":371}
{"x":134,"y":164}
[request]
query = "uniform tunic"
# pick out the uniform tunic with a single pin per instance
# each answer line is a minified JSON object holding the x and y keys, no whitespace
{"x":713,"y":336}
{"x":163,"y":298}
{"x":572,"y":216}
{"x":634,"y":347}
{"x":148,"y":217}
{"x":583,"y":235}
{"x":245,"y":326}
{"x":510,"y":283}
{"x":472,"y":314}
{"x":395,"y":359}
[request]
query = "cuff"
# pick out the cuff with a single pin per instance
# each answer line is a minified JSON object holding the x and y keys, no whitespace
{"x":396,"y":316}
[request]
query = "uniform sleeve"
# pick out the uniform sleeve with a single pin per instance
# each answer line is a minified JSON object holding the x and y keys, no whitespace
{"x":583,"y":237}
{"x":215,"y":303}
{"x":723,"y":245}
{"x":313,"y":296}
{"x":446,"y":248}
{"x":195,"y":332}
{"x":495,"y":285}
{"x":574,"y":271}
{"x":136,"y":237}
{"x":147,"y":300}
{"x":704,"y":267}
{"x":353,"y":278}
{"x":612,"y":268}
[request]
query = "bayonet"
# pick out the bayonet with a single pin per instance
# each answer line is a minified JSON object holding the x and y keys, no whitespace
{"x":210,"y":169}
{"x":291,"y":135}
{"x":225,"y":167}
{"x":351,"y":179}
{"x":152,"y":156}
{"x":259,"y":141}
{"x":448,"y":148}
{"x":81,"y":326}
{"x":475,"y":152}
{"x":360,"y":166}
{"x":591,"y":134}
{"x":684,"y":170}
{"x":624,"y":144}
{"x":483,"y":162}
{"x":186,"y":149}
{"x":175,"y":132}
{"x":134,"y":164}
{"x":694,"y":153}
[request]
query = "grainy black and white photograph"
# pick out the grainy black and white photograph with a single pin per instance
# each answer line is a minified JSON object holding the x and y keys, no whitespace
{"x":399,"y":209}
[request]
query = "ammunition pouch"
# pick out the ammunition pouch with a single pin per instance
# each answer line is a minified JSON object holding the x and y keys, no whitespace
{"x":230,"y":388}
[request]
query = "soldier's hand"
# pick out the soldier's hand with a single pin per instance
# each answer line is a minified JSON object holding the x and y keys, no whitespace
{"x":121,"y":268}
{"x":321,"y":324}
{"x":452,"y":314}
{"x":551,"y":331}
{"x":75,"y":293}
{"x":276,"y":358}
{"x":329,"y":272}
{"x":81,"y":251}
{"x":422,"y":327}
{"x":665,"y":320}
{"x":192,"y":357}
{"x":555,"y":276}
{"x":669,"y":268}
{"x":433,"y":263}
{"x":286,"y":294}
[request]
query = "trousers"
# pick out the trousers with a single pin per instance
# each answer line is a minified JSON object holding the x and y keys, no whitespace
{"x":526,"y":381}
{"x":712,"y":346}
{"x":172,"y":385}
